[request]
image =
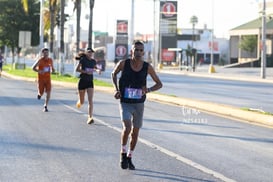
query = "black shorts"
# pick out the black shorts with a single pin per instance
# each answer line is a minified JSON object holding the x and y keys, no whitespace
{"x":85,"y":84}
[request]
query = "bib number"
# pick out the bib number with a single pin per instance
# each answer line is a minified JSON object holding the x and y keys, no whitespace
{"x":47,"y":69}
{"x":133,"y":93}
{"x":89,"y":70}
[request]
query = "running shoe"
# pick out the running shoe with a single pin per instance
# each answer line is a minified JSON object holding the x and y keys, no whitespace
{"x":123,"y":161}
{"x":90,"y":120}
{"x":38,"y":97}
{"x":78,"y":105}
{"x":130,"y":164}
{"x":45,"y":109}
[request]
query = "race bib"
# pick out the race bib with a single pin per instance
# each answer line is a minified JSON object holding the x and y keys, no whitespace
{"x":99,"y":66}
{"x":133,"y":93}
{"x":47,"y":69}
{"x":89,"y":70}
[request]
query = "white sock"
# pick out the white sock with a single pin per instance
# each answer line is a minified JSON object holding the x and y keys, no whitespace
{"x":123,"y":149}
{"x":130,"y":153}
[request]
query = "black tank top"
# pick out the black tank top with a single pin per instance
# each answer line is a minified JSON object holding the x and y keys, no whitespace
{"x":87,"y":64}
{"x":132,"y":79}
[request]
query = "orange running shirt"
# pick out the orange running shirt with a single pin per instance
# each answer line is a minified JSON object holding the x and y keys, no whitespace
{"x":45,"y":64}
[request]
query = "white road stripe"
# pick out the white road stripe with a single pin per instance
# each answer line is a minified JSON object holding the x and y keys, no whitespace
{"x":165,"y":151}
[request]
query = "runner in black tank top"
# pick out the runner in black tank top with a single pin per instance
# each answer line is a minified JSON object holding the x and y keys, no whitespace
{"x":131,"y":89}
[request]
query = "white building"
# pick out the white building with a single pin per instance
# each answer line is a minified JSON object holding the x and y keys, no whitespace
{"x":201,"y":39}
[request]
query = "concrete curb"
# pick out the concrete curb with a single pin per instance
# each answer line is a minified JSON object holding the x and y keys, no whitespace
{"x":219,"y":76}
{"x":223,"y":110}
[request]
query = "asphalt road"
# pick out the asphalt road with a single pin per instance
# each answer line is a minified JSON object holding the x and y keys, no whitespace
{"x":235,"y":91}
{"x":176,"y":143}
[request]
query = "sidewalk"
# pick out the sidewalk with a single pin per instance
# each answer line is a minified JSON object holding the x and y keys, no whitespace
{"x":243,"y":73}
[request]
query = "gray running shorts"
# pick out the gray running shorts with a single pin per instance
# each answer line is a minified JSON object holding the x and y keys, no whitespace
{"x":132,"y":112}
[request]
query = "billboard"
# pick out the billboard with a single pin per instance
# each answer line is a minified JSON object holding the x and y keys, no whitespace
{"x":121,"y":45}
{"x":168,"y":29}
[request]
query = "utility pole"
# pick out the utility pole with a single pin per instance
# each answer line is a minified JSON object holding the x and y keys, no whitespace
{"x":154,"y":61}
{"x":132,"y":21}
{"x":263,"y":55}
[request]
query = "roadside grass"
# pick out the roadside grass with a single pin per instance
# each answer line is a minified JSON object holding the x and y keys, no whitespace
{"x":29,"y":73}
{"x":257,"y":111}
{"x":19,"y":72}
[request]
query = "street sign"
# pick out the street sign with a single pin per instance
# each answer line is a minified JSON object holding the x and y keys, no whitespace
{"x":121,"y":51}
{"x":169,"y":9}
{"x":24,"y":39}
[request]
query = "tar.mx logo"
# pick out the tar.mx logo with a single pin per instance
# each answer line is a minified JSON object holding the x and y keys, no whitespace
{"x":192,"y":116}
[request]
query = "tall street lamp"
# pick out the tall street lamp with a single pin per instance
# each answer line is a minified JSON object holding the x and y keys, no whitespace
{"x":193,"y":21}
{"x":211,"y":68}
{"x":263,"y":56}
{"x":132,"y":21}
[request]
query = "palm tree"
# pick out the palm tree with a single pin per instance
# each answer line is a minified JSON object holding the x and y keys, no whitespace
{"x":62,"y":27}
{"x":61,"y":55}
{"x":91,"y":5}
{"x":53,"y":13}
{"x":25,"y":5}
{"x":77,"y":7}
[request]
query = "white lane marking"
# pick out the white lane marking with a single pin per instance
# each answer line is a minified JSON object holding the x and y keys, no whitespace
{"x":72,"y":108}
{"x":165,"y":151}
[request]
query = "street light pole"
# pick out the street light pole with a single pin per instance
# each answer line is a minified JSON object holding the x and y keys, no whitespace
{"x":132,"y":22}
{"x":263,"y":55}
{"x":211,"y":68}
{"x":193,"y":20}
{"x":154,"y":60}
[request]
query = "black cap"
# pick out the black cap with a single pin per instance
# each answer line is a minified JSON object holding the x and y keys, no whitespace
{"x":88,"y":49}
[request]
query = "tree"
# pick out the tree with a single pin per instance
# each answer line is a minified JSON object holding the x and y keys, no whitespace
{"x":46,"y":15}
{"x":62,"y":27}
{"x":25,"y":5}
{"x":14,"y":18}
{"x":90,"y":30}
{"x":77,"y":7}
{"x":53,"y":9}
{"x":249,"y":43}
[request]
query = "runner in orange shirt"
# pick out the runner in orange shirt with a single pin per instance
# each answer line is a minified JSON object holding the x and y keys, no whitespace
{"x":44,"y":67}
